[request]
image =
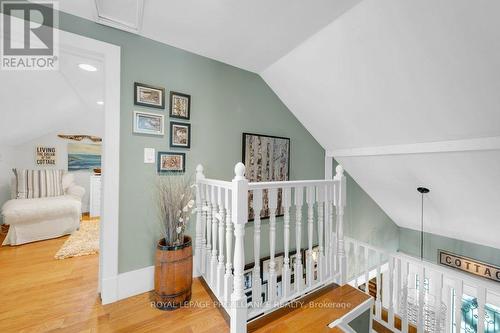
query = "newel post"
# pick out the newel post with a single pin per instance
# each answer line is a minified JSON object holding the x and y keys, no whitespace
{"x":340,"y":203}
{"x":240,"y":218}
{"x":199,"y":226}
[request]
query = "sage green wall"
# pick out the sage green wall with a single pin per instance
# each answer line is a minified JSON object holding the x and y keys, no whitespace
{"x":226,"y":101}
{"x":409,"y":243}
{"x":365,"y":221}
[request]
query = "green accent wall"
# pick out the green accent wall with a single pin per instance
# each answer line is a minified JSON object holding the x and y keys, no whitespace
{"x":364,"y":220}
{"x":409,"y":243}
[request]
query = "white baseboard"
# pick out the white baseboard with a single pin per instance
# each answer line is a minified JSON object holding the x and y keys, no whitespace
{"x":136,"y":282}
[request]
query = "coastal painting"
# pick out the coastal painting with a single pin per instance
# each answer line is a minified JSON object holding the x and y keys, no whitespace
{"x":82,"y":156}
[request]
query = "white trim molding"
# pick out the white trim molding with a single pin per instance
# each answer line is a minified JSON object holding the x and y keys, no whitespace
{"x":489,"y":143}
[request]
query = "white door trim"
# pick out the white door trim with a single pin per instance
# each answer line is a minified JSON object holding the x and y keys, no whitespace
{"x":108,"y":255}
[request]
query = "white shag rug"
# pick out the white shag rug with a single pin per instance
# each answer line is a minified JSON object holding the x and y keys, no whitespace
{"x":84,"y":241}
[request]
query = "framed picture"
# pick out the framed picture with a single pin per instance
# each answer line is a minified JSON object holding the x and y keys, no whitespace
{"x":266,"y":158}
{"x":264,"y":292}
{"x":180,"y":135}
{"x":146,"y":95}
{"x":148,"y":123}
{"x":171,"y":162}
{"x":247,"y":279}
{"x":180,"y":105}
{"x":278,"y":260}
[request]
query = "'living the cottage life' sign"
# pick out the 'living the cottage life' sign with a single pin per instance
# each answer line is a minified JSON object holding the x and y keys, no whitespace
{"x":469,"y":265}
{"x":45,"y":156}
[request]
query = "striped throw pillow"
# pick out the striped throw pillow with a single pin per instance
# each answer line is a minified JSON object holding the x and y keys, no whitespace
{"x":38,"y":183}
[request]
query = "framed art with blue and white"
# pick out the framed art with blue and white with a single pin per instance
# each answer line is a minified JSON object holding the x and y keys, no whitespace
{"x":171,"y":162}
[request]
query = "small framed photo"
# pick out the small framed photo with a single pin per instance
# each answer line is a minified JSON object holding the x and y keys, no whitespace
{"x":171,"y":162}
{"x":180,"y":105}
{"x":148,"y":123}
{"x":146,"y":95}
{"x":180,"y":135}
{"x":247,"y":279}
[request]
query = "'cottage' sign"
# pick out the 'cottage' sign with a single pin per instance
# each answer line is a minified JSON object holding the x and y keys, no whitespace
{"x":469,"y":265}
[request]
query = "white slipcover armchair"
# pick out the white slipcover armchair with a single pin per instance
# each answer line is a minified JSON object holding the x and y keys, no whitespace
{"x":37,"y":219}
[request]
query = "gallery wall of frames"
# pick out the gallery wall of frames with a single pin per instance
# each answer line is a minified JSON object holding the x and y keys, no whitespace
{"x":153,"y":123}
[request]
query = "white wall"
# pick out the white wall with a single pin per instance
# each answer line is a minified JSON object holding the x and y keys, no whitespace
{"x":5,"y":173}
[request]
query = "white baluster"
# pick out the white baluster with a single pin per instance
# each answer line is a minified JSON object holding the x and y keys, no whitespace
{"x":228,"y":276}
{"x":481,"y":300}
{"x":272,"y":283}
{"x":437,"y":285}
{"x":391,"y":292}
{"x":458,"y":305}
{"x":220,"y":262}
{"x":256,"y":280}
{"x":356,"y":264}
{"x":328,"y":235}
{"x":340,"y":202}
{"x":199,"y":223}
{"x":299,"y":285}
{"x":332,"y":240}
{"x":421,"y":299}
{"x":238,"y":321}
{"x":204,"y":232}
{"x":378,"y":301}
{"x":320,"y":197}
{"x":310,"y":231}
{"x":215,"y":229}
{"x":286,"y":264}
{"x":367,"y":270}
{"x":208,"y":257}
{"x":405,"y":267}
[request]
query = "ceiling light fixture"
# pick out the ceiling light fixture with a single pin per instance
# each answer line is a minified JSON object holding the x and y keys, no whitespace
{"x":87,"y":67}
{"x":100,"y":103}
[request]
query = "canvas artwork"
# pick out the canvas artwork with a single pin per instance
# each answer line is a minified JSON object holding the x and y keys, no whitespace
{"x":146,"y":95}
{"x":266,"y":158}
{"x":171,"y":162}
{"x":180,"y":105}
{"x":82,"y":156}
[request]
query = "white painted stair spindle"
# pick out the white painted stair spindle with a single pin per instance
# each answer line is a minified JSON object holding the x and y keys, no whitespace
{"x":340,"y":196}
{"x":310,"y":232}
{"x":286,"y":264}
{"x":199,"y":223}
{"x":256,"y":280}
{"x":272,"y":282}
{"x":331,"y":236}
{"x":298,"y":278}
{"x":220,"y":261}
{"x":481,"y":300}
{"x":390,"y":274}
{"x":458,"y":304}
{"x":209,"y":234}
{"x":320,"y":197}
{"x":215,"y":230}
{"x":238,"y":321}
{"x":228,"y":276}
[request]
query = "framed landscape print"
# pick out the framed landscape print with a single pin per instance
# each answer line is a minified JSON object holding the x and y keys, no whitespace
{"x":146,"y":95}
{"x":171,"y":162}
{"x":148,"y":123}
{"x":266,"y":158}
{"x":180,"y":135}
{"x":180,"y":105}
{"x":84,"y":156}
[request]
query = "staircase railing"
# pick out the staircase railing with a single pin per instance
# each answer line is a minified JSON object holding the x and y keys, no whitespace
{"x":395,"y":273}
{"x":312,"y":208}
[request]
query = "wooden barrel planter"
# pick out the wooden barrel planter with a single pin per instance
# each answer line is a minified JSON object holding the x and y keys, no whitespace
{"x":173,"y":274}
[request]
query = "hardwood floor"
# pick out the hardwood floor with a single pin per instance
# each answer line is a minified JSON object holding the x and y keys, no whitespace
{"x":41,"y":294}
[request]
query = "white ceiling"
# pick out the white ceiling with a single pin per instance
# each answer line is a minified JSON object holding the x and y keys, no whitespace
{"x":405,"y":72}
{"x":35,"y":103}
{"x":247,"y":34}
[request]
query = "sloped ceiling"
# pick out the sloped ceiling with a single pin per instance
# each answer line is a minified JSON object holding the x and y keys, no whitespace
{"x":402,"y":73}
{"x":247,"y":34}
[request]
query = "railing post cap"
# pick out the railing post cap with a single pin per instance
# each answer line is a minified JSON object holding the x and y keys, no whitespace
{"x":199,"y":168}
{"x":339,"y":169}
{"x":239,"y":170}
